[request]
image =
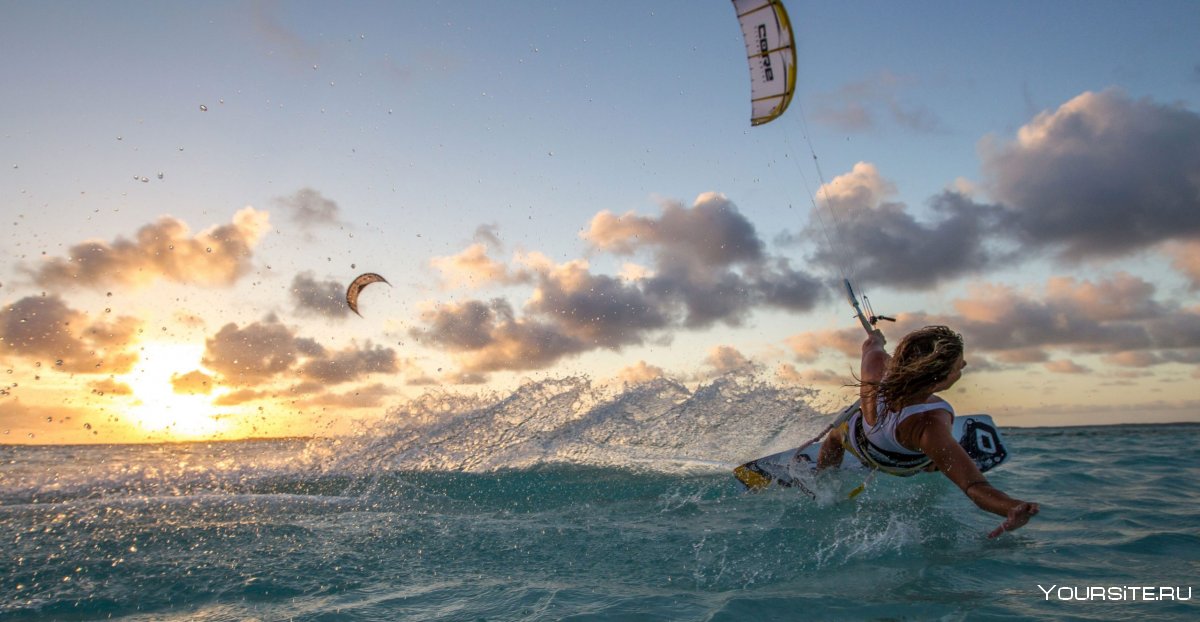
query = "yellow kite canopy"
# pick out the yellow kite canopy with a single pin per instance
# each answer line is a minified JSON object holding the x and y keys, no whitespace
{"x":771,"y":54}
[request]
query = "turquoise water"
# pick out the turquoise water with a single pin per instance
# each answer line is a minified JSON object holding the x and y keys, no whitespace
{"x":565,"y":501}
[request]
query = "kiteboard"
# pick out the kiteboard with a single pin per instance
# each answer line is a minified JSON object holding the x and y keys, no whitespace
{"x":977,"y":434}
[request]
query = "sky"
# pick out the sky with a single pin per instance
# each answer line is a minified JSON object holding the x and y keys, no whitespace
{"x":563,"y":188}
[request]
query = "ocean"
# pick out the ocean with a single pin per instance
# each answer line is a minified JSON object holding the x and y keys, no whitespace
{"x":569,"y":501}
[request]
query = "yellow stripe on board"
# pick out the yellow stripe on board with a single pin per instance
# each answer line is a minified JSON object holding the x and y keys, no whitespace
{"x":752,"y":479}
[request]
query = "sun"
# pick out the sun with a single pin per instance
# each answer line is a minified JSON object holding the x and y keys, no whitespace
{"x":159,"y":408}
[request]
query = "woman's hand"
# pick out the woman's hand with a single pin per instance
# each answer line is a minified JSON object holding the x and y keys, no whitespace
{"x":1017,"y":516}
{"x":875,"y":341}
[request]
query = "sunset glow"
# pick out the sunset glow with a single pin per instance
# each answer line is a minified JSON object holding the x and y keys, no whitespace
{"x":561,"y":190}
{"x":163,"y":402}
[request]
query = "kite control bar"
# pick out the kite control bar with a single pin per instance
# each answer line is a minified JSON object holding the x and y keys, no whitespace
{"x":868,"y":321}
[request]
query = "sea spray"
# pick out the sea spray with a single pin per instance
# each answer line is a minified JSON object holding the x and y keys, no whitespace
{"x":661,"y":424}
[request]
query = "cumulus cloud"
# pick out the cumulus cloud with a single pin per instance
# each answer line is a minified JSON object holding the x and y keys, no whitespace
{"x":473,"y":268}
{"x":310,"y":209}
{"x":488,"y":337}
{"x":1102,"y":176}
{"x":640,"y":372}
{"x":349,"y":364}
{"x":808,"y":346}
{"x":1118,"y":318}
{"x":711,"y":233}
{"x":727,"y":359}
{"x":708,"y":266}
{"x":163,"y":250}
{"x":318,"y":298}
{"x":1130,"y":327}
{"x":45,"y":328}
{"x":883,"y":242}
{"x":263,"y":352}
{"x":708,"y":262}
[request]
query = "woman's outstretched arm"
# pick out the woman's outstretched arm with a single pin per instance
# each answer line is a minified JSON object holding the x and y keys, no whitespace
{"x":935,"y":440}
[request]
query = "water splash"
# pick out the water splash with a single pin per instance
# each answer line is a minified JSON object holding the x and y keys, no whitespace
{"x":658,"y":425}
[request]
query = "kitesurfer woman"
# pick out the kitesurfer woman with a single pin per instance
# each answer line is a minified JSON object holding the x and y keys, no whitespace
{"x":903,"y":427}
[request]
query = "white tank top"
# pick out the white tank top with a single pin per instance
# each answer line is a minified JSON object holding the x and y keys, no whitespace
{"x":883,"y":433}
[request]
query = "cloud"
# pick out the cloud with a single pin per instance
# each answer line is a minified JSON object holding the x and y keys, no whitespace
{"x":1002,"y":319}
{"x":109,"y":386}
{"x":45,"y":328}
{"x":473,"y":268}
{"x":1118,"y":318}
{"x":708,"y":266}
{"x":370,"y":396}
{"x":1185,"y":257}
{"x":711,"y":233}
{"x":1119,"y":297}
{"x":598,"y":310}
{"x":860,"y":229}
{"x":318,"y":298}
{"x":349,"y":364}
{"x":194,"y":381}
{"x":640,"y":372}
{"x":709,"y":263}
{"x":727,"y":359}
{"x":163,"y":250}
{"x":254,"y":354}
{"x":241,"y":396}
{"x":263,"y":352}
{"x":1134,"y":359}
{"x":310,"y":209}
{"x":809,"y":346}
{"x":786,"y":372}
{"x":860,"y":106}
{"x":487,"y":337}
{"x":1102,"y":176}
{"x":1065,"y":366}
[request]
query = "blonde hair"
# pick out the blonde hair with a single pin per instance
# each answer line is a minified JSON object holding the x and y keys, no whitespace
{"x":924,"y":358}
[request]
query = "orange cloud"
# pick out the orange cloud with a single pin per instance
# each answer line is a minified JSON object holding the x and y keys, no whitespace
{"x":807,"y":347}
{"x":473,"y":268}
{"x":194,"y":381}
{"x":162,"y":250}
{"x":727,"y":359}
{"x":639,"y":373}
{"x":786,"y":372}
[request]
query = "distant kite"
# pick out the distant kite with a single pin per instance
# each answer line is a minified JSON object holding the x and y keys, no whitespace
{"x":356,"y":286}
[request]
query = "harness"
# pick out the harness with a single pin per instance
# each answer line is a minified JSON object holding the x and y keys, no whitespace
{"x":854,"y":439}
